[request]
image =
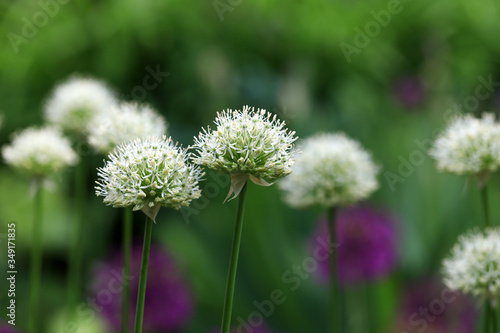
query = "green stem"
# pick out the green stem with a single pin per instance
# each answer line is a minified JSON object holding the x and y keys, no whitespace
{"x":76,"y":252}
{"x":484,"y":201}
{"x":127,"y":245}
{"x":141,"y":294}
{"x":371,"y":310}
{"x":336,"y":293}
{"x":233,"y":263}
{"x":36,"y":262}
{"x":493,"y":319}
{"x":487,"y":314}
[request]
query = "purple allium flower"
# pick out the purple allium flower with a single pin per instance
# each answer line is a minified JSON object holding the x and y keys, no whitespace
{"x":168,"y":303}
{"x":409,"y":91}
{"x":366,"y":244}
{"x":5,"y":328}
{"x":432,"y":307}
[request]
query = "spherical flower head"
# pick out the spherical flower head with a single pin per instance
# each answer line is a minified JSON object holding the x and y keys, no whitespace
{"x":332,"y":170}
{"x":39,"y":151}
{"x":124,"y":122}
{"x":74,"y":103}
{"x":148,"y":173}
{"x":450,"y":311}
{"x":366,"y":240}
{"x":469,"y":146}
{"x":169,"y":301}
{"x":474,"y":265}
{"x":247,"y":142}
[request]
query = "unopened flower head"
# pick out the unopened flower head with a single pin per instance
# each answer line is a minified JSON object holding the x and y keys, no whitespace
{"x":75,"y":103}
{"x":332,"y":170}
{"x":474,"y":265}
{"x":39,"y":151}
{"x":469,"y":146}
{"x":247,"y":142}
{"x":123,"y":123}
{"x":148,"y":173}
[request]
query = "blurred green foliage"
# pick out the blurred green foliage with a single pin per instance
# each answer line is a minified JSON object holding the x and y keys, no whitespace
{"x":285,"y":57}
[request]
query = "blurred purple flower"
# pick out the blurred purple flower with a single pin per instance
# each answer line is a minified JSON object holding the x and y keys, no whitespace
{"x":430,"y":306}
{"x":168,"y":303}
{"x":409,"y":91}
{"x":4,"y":328}
{"x":366,"y":244}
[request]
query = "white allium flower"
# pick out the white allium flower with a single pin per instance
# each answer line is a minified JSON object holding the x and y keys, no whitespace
{"x":474,"y":265}
{"x":39,"y":151}
{"x":74,"y":103}
{"x":469,"y":146}
{"x":245,"y":144}
{"x":148,"y":173}
{"x":124,"y":122}
{"x":331,"y":170}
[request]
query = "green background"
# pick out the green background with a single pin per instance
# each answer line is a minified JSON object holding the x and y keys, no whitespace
{"x":286,"y":57}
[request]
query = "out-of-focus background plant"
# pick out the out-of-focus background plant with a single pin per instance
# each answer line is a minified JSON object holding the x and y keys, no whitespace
{"x":388,"y":73}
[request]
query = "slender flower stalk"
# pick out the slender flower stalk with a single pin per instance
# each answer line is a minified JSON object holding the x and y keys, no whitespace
{"x":127,"y":250}
{"x":146,"y":174}
{"x":371,"y":311}
{"x":168,"y":303}
{"x":36,"y":263}
{"x":125,"y":122}
{"x":233,"y":263}
{"x":76,"y":251}
{"x":139,"y":313}
{"x":73,"y":106}
{"x":493,"y":317}
{"x":39,"y":152}
{"x":485,"y":205}
{"x":336,"y":299}
{"x":489,"y":315}
{"x":249,"y":144}
{"x":332,"y":171}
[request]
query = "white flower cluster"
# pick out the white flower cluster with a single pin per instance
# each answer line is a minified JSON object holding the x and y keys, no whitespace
{"x":39,"y":151}
{"x":474,"y":265}
{"x":469,"y":146}
{"x":247,"y":142}
{"x":124,"y":122}
{"x":149,"y":173}
{"x":75,"y":103}
{"x":331,"y":170}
